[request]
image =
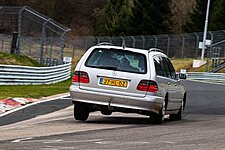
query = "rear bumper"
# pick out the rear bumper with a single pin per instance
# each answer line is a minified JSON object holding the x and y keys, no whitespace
{"x":149,"y":103}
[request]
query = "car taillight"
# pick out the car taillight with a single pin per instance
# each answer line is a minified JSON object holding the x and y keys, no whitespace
{"x":147,"y":85}
{"x":81,"y":77}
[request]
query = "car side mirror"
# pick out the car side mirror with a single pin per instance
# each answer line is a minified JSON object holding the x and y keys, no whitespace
{"x":182,"y":76}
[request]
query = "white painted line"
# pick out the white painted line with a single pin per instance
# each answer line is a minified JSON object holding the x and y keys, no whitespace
{"x":66,"y":98}
{"x":81,"y":141}
{"x":53,"y":141}
{"x":31,"y":104}
{"x":105,"y":142}
{"x":23,"y":139}
{"x":169,"y":142}
{"x":121,"y":142}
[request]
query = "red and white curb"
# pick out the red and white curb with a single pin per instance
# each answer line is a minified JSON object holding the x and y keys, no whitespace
{"x":10,"y":105}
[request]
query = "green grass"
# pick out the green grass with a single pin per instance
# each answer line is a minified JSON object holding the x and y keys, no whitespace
{"x":34,"y":91}
{"x":38,"y":91}
{"x":29,"y":91}
{"x":9,"y":59}
{"x":180,"y":63}
{"x":186,"y":63}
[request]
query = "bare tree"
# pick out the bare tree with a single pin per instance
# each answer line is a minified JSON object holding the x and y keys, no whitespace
{"x":181,"y":10}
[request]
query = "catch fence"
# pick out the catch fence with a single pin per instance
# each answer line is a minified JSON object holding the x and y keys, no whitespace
{"x":174,"y":45}
{"x":27,"y":32}
{"x":42,"y":38}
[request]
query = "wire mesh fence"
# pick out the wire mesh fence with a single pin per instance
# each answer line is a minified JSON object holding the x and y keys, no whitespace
{"x":44,"y":39}
{"x":174,"y":45}
{"x":37,"y":36}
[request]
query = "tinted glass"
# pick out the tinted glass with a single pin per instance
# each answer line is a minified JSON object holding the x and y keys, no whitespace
{"x":172,"y":70}
{"x":114,"y":59}
{"x":166,"y":67}
{"x":158,"y":66}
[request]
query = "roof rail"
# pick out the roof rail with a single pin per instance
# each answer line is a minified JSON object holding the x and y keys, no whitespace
{"x":104,"y":43}
{"x":156,"y":50}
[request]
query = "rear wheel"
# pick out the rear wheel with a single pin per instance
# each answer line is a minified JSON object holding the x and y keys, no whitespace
{"x":159,"y":118}
{"x":81,"y":111}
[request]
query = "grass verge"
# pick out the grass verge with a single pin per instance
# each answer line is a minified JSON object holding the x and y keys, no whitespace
{"x":34,"y":91}
{"x":9,"y":59}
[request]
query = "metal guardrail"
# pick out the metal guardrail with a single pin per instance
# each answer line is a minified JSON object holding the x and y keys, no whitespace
{"x":24,"y":75}
{"x":206,"y":76}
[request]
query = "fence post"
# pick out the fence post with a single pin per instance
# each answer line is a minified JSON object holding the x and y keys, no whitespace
{"x":123,"y":44}
{"x":98,"y":39}
{"x":43,"y":41}
{"x":2,"y":47}
{"x":62,"y":45}
{"x":156,"y":40}
{"x":182,"y":48}
{"x":86,"y":42}
{"x":197,"y":41}
{"x":211,"y":34}
{"x":143,"y":43}
{"x":51,"y":47}
{"x":133,"y":41}
{"x":19,"y":29}
{"x":74,"y":47}
{"x":168,"y":44}
{"x":110,"y":40}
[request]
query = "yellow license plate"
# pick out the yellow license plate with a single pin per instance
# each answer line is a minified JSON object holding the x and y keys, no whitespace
{"x":113,"y":82}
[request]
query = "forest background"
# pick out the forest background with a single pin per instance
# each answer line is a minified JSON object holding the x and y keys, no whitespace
{"x":129,"y":17}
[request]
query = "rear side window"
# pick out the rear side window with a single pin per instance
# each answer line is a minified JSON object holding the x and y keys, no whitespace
{"x":164,"y":67}
{"x":115,"y":59}
{"x":158,"y":66}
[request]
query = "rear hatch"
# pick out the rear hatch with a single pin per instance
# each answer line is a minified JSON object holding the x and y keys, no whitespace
{"x":115,"y":71}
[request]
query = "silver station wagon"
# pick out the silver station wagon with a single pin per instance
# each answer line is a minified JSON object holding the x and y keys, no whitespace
{"x":119,"y":79}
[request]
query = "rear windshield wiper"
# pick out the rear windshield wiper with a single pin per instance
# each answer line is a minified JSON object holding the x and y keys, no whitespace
{"x":108,"y":67}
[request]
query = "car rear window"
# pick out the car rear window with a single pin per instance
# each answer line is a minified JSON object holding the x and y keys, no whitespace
{"x":115,"y":59}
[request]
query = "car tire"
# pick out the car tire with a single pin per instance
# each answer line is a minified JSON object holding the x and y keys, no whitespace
{"x":81,"y":112}
{"x":106,"y":112}
{"x":176,"y":117}
{"x":159,"y":118}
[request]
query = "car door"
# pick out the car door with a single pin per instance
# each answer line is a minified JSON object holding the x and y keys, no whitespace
{"x":174,"y":92}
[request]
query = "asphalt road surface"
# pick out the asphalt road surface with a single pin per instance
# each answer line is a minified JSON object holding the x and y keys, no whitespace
{"x":202,"y":127}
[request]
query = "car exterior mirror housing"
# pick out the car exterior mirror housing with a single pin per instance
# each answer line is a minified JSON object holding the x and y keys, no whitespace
{"x":182,"y":76}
